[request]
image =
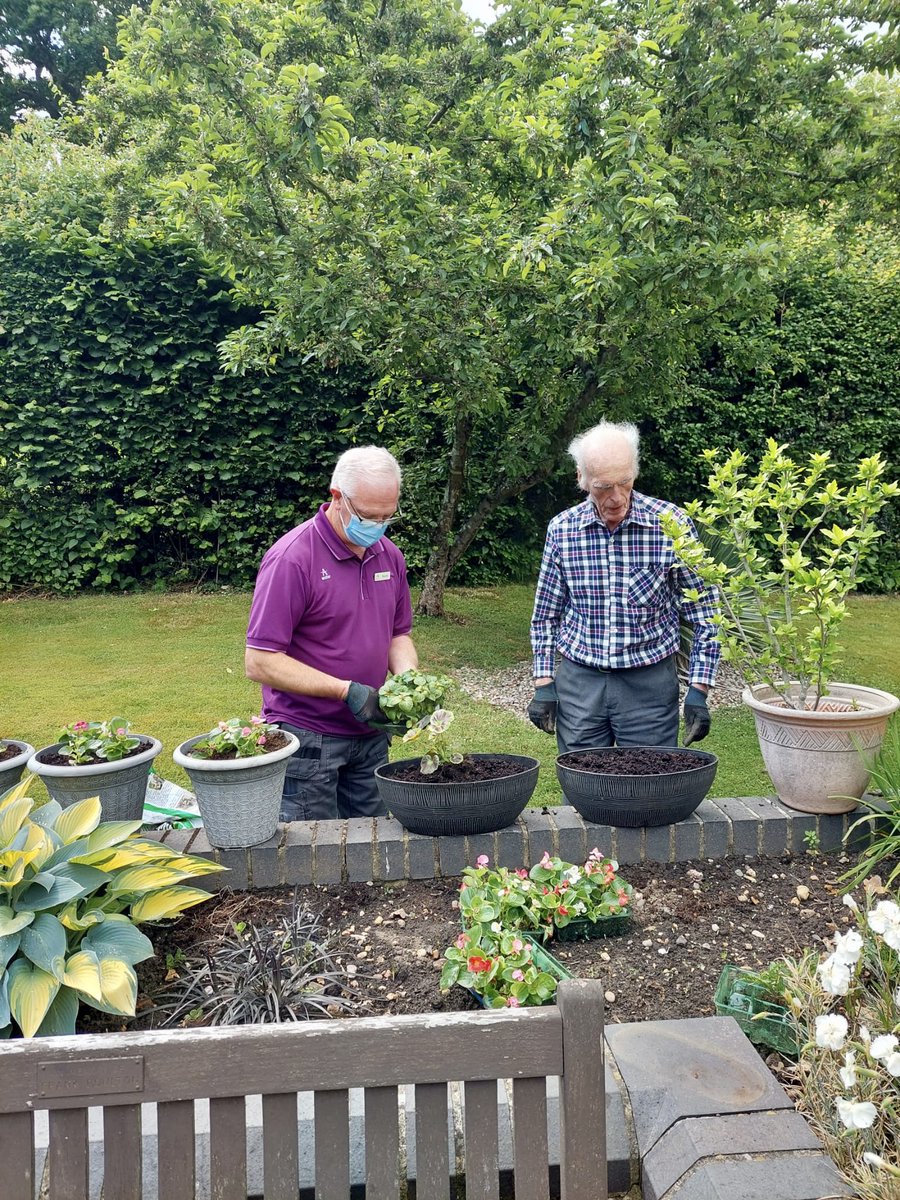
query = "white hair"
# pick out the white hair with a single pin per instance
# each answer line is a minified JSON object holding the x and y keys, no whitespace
{"x":584,"y":447}
{"x":365,"y":464}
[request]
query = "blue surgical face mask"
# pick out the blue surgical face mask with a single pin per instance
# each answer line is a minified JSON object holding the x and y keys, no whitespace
{"x":363,"y":532}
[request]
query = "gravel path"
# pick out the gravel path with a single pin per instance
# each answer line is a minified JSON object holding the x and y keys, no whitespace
{"x":512,"y":688}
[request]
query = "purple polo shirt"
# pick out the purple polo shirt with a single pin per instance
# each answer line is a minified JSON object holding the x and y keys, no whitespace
{"x":319,"y":603}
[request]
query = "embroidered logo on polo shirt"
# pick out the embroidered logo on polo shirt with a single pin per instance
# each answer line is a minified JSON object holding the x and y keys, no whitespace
{"x":325,"y":574}
{"x":381,"y":575}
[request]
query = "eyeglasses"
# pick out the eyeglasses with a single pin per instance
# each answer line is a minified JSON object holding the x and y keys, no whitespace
{"x":603,"y":489}
{"x":372,"y":520}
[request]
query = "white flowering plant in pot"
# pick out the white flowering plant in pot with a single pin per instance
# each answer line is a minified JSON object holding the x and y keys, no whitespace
{"x":847,"y":1003}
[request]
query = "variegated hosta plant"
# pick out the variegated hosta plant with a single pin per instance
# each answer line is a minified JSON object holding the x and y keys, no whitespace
{"x":72,"y":892}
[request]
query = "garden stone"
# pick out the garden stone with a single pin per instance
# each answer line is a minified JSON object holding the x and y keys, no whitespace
{"x":744,"y":834}
{"x":797,"y":1176}
{"x":832,"y":827}
{"x":688,"y":839}
{"x":358,"y":849}
{"x":538,"y":835}
{"x":328,"y":866}
{"x":237,"y":863}
{"x":689,"y":1068}
{"x":264,"y":861}
{"x":775,"y":830}
{"x":696,"y":1138}
{"x":389,"y":843}
{"x":298,"y":852}
{"x":422,"y":859}
{"x":658,"y":843}
{"x":452,"y":851}
{"x":628,"y":845}
{"x":715,"y":832}
{"x":511,"y":846}
{"x":571,"y":835}
{"x":478,"y":844}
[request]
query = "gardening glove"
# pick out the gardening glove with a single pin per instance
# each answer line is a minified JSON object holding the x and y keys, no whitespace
{"x":696,"y":716}
{"x":542,"y":709}
{"x":362,"y":701}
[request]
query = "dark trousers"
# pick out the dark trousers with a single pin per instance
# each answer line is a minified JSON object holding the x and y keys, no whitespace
{"x":330,"y":778}
{"x":637,"y":706}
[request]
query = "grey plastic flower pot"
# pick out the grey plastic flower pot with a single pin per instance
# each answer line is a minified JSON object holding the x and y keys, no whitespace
{"x":11,"y":769}
{"x":631,"y":801}
{"x":121,"y":786}
{"x":453,"y":809}
{"x":239,"y":798}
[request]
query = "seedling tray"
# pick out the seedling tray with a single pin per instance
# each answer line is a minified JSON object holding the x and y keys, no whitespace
{"x":582,"y":930}
{"x":764,"y":1021}
{"x":539,"y":955}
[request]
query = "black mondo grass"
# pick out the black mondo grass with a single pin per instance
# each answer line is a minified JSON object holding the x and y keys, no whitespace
{"x":285,"y":970}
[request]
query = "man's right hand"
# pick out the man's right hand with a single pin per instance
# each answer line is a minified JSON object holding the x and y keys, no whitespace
{"x":362,"y":701}
{"x":542,"y":709}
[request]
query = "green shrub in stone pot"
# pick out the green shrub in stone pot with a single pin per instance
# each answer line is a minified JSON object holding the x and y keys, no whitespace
{"x":73,"y":890}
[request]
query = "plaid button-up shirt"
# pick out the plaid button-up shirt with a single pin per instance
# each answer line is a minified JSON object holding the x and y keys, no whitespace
{"x":615,"y":599}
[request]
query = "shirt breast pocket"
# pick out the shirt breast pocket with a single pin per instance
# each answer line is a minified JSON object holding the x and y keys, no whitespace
{"x":647,"y":587}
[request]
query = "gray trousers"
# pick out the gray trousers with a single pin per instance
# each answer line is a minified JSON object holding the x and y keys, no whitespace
{"x":637,"y":706}
{"x":330,"y":778}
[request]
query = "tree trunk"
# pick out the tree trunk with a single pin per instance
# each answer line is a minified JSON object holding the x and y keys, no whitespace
{"x":449,"y":549}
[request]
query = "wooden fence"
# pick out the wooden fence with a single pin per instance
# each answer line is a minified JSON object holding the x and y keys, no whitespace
{"x":119,"y":1072}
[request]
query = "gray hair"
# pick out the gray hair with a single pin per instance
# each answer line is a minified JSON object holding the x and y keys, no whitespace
{"x":365,"y":464}
{"x":585,"y":446}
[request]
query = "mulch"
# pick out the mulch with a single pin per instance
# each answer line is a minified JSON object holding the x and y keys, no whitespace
{"x":689,"y":920}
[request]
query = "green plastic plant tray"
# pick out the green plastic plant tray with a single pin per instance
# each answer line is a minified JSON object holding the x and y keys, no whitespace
{"x":583,"y":930}
{"x":741,"y":997}
{"x":544,"y":959}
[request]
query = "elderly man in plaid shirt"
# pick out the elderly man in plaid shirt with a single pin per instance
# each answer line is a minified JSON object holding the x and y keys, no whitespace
{"x":610,"y":597}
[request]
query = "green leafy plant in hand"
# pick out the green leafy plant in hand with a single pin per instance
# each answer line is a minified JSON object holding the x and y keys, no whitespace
{"x":434,"y":729}
{"x":237,"y":738}
{"x":72,"y":892}
{"x":408,"y":697}
{"x":85,"y":742}
{"x":548,"y":897}
{"x":796,"y":540}
{"x":499,"y":965}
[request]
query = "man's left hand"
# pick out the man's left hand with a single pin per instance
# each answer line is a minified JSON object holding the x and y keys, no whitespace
{"x":696,"y":716}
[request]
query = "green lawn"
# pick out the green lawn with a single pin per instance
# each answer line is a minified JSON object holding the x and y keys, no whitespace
{"x":173,"y":665}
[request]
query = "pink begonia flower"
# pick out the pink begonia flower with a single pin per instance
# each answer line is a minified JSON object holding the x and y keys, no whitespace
{"x":513,"y":1002}
{"x":462,"y":941}
{"x":517,"y":945}
{"x":545,"y":861}
{"x":522,"y":873}
{"x":518,"y":975}
{"x":246,"y":731}
{"x":563,"y":912}
{"x":623,"y":899}
{"x":121,"y":731}
{"x":261,"y":741}
{"x":856,"y":1114}
{"x":595,"y":854}
{"x":256,"y":721}
{"x":79,"y":725}
{"x":482,"y":860}
{"x":477,"y":964}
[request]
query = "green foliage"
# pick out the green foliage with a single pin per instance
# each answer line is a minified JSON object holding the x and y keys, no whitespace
{"x":434,"y":728}
{"x":510,"y":231}
{"x":797,"y":539}
{"x":74,"y":890}
{"x":550,"y":896}
{"x":238,"y":737}
{"x":882,"y":820}
{"x":50,"y":48}
{"x":505,"y":969}
{"x":820,"y":369}
{"x":406,"y":698}
{"x":96,"y":741}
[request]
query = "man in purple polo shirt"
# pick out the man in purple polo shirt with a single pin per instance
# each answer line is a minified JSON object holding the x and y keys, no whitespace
{"x":331,"y":616}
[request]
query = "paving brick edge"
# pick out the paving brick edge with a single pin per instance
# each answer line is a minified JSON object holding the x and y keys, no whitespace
{"x":379,"y":849}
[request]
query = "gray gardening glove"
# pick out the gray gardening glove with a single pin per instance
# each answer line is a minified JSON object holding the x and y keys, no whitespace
{"x":696,"y":716}
{"x":542,"y":709}
{"x":362,"y":701}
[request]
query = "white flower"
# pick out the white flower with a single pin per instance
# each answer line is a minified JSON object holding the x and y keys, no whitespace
{"x":834,"y":976}
{"x":883,"y":1046}
{"x":873,"y":1160}
{"x":885,"y":919}
{"x":850,"y":902}
{"x":831,"y":1030}
{"x":848,"y":1070}
{"x":892,"y":1062}
{"x":864,"y":1035}
{"x":573,"y":874}
{"x":857,"y":1114}
{"x":848,"y":947}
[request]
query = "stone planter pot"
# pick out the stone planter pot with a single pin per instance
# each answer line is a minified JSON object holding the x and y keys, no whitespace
{"x":11,"y":769}
{"x":817,"y":760}
{"x":454,"y":809}
{"x":239,"y":798}
{"x":121,"y":786}
{"x":631,"y":801}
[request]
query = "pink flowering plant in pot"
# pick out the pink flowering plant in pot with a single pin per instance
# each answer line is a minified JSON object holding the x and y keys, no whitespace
{"x":239,"y":737}
{"x":551,"y":897}
{"x":504,"y":969}
{"x":97,"y":741}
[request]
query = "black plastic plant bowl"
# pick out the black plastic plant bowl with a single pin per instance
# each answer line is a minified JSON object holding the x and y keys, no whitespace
{"x":455,"y":809}
{"x":635,"y":800}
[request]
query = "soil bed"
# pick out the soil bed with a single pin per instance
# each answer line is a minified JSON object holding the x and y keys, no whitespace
{"x":631,"y":762}
{"x":470,"y":770}
{"x":7,"y":752}
{"x":689,"y":919}
{"x":63,"y":760}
